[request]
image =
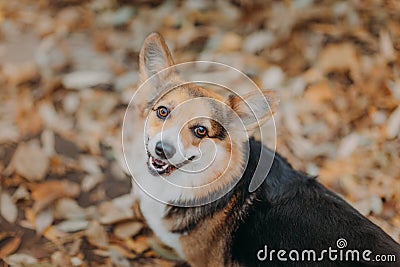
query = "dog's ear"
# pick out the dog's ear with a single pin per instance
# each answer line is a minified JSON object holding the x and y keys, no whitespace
{"x":154,"y":56}
{"x":255,"y":108}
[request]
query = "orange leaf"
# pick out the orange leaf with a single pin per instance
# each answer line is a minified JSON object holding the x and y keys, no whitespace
{"x":10,"y":247}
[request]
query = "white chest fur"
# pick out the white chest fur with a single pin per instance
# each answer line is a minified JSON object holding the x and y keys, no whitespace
{"x":154,"y":211}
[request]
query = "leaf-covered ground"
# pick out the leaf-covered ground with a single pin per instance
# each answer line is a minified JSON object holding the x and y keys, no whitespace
{"x":68,"y":69}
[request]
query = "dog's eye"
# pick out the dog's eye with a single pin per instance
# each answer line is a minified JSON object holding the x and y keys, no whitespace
{"x":200,"y":131}
{"x":162,"y":112}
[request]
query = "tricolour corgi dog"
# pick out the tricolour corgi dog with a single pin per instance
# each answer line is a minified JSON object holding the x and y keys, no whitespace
{"x":290,"y":219}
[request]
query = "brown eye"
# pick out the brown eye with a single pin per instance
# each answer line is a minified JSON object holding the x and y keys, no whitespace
{"x":162,"y":112}
{"x":200,"y":131}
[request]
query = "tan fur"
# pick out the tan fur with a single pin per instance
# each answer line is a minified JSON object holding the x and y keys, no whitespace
{"x":210,"y":251}
{"x":207,"y":244}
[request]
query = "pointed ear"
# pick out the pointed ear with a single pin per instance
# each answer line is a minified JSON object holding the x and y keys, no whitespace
{"x":154,"y":56}
{"x":253,"y":109}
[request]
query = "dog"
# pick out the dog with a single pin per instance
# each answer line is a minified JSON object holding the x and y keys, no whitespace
{"x":289,"y":220}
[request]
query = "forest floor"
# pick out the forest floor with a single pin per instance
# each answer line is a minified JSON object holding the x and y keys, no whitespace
{"x":68,"y":69}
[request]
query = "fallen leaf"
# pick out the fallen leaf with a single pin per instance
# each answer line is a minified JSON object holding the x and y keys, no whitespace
{"x":20,"y":260}
{"x":60,"y":259}
{"x":273,"y":77}
{"x":86,"y":79}
{"x":48,"y":141}
{"x":140,"y":244}
{"x":8,"y":209}
{"x":30,"y":161}
{"x":393,"y":124}
{"x":90,"y":181}
{"x":96,"y":235}
{"x":90,"y":164}
{"x":21,"y":194}
{"x":117,"y":258}
{"x":43,"y":219}
{"x":10,"y":247}
{"x":55,"y":235}
{"x":71,"y":226}
{"x":319,"y":92}
{"x":67,"y":208}
{"x":75,"y":247}
{"x":348,"y":145}
{"x":339,"y":57}
{"x":125,"y":230}
{"x":117,"y":210}
{"x":46,"y":193}
{"x":386,"y":46}
{"x":75,"y":261}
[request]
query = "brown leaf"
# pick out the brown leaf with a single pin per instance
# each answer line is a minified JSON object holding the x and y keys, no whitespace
{"x":10,"y":247}
{"x":8,"y":209}
{"x":339,"y":57}
{"x":127,"y":229}
{"x":117,"y":210}
{"x":46,"y":193}
{"x":30,"y":161}
{"x":139,"y":244}
{"x":319,"y":92}
{"x":43,"y":220}
{"x":96,"y":235}
{"x":60,"y":259}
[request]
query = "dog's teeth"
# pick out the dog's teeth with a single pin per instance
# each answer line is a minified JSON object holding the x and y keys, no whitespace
{"x":165,"y":167}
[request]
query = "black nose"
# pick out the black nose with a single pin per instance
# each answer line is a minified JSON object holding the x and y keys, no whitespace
{"x":164,"y":150}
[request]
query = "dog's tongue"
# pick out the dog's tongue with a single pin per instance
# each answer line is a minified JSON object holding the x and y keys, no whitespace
{"x":159,"y":162}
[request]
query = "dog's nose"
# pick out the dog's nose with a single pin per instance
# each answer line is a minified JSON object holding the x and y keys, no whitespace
{"x":164,"y":150}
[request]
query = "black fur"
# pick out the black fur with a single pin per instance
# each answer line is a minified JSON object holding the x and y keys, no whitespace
{"x":289,"y":211}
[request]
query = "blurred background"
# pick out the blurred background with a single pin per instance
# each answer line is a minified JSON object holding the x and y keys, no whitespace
{"x":69,"y":67}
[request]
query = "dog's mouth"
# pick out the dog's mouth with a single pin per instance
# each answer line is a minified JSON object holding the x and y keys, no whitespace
{"x":162,"y":167}
{"x":159,"y":166}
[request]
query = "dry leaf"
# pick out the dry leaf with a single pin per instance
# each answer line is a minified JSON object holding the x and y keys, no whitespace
{"x":339,"y":57}
{"x":117,"y":210}
{"x":319,"y":92}
{"x":46,"y":193}
{"x":393,"y":124}
{"x":140,"y":244}
{"x":118,"y":259}
{"x":86,"y":79}
{"x":55,"y":235}
{"x":43,"y":219}
{"x":127,"y":229}
{"x":10,"y":247}
{"x":67,"y":208}
{"x":71,"y":226}
{"x":30,"y":161}
{"x":96,"y":235}
{"x":20,"y":260}
{"x":60,"y":259}
{"x":48,"y":140}
{"x":386,"y":46}
{"x":90,"y":181}
{"x":334,"y":63}
{"x":21,"y":193}
{"x":8,"y":209}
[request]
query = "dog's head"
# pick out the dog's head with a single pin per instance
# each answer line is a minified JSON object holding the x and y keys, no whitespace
{"x":194,"y":135}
